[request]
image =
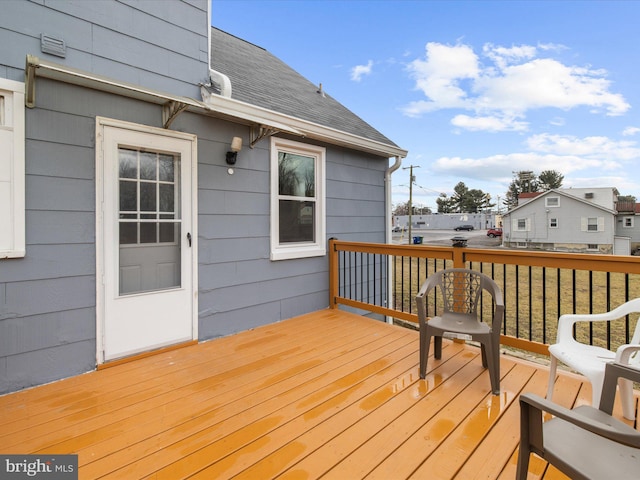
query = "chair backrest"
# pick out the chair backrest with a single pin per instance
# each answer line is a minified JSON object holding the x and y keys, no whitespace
{"x":633,"y":307}
{"x":461,"y":290}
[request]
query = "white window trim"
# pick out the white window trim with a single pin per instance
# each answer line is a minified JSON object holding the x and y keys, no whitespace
{"x":551,"y":220}
{"x":549,"y":204}
{"x":12,"y":175}
{"x":584,"y":224}
{"x":625,"y":220}
{"x":527,"y":225}
{"x":303,"y":249}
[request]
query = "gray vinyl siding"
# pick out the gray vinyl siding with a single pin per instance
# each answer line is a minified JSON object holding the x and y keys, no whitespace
{"x":158,"y":44}
{"x":48,"y":298}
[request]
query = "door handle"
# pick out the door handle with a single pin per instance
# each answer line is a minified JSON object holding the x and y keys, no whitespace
{"x":189,"y":238}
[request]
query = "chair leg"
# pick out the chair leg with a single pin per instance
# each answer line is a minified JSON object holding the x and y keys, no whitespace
{"x":425,"y":341}
{"x":597,"y":381}
{"x":626,"y":397}
{"x":493,"y":365}
{"x":553,"y":366}
{"x":524,"y":450}
{"x":437,"y":347}
{"x":483,"y":350}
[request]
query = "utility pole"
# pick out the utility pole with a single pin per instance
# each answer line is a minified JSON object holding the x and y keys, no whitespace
{"x":411,"y":180}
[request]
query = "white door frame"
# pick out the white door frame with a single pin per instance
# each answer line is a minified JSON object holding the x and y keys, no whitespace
{"x":101,"y":241}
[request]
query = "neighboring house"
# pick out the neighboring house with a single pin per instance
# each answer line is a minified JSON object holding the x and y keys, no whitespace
{"x":150,"y":197}
{"x":570,"y":220}
{"x":628,"y":224}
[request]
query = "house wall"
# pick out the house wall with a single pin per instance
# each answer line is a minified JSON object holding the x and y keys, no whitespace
{"x":48,"y":298}
{"x":632,"y":232}
{"x":568,"y":235}
{"x":156,"y":44}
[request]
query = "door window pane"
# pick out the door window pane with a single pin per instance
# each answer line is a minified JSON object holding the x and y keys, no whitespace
{"x":128,"y":160}
{"x":166,"y":168}
{"x":148,"y":197}
{"x":167,"y":202}
{"x":128,"y":196}
{"x":128,"y":233}
{"x":148,"y":165}
{"x":150,"y":249}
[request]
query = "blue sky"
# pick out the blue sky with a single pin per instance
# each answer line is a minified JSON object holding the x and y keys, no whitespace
{"x":474,"y":90}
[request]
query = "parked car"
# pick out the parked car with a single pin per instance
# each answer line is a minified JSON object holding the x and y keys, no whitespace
{"x":494,"y":232}
{"x":398,"y":229}
{"x":463,"y":227}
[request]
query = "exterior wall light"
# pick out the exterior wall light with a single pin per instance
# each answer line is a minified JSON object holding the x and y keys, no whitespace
{"x":232,"y":155}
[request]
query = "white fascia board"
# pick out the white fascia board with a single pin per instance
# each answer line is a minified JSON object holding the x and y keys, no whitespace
{"x":216,"y":104}
{"x":236,"y":108}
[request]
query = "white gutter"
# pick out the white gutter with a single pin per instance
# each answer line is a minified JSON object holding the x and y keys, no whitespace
{"x":387,"y":228}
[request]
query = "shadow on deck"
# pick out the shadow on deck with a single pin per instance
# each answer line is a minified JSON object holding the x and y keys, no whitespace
{"x":328,"y":394}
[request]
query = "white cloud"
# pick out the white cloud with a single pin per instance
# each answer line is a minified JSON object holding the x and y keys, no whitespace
{"x":575,"y":158}
{"x":629,"y":131}
{"x":606,"y":150}
{"x":514,"y":82}
{"x":359,"y":71}
{"x":489,"y":123}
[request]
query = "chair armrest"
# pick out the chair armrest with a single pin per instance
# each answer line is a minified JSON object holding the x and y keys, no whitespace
{"x":624,"y":352}
{"x":531,"y":401}
{"x":566,"y":321}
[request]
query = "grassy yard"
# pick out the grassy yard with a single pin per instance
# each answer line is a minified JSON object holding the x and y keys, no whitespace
{"x":535,"y":297}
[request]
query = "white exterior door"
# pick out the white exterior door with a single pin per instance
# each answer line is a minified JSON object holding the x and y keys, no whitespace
{"x":146,"y":238}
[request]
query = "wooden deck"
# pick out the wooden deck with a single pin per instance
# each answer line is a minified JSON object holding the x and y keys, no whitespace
{"x":328,"y":394}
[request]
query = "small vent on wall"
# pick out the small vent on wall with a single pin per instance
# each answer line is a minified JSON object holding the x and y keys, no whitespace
{"x":52,"y":45}
{"x":588,"y":195}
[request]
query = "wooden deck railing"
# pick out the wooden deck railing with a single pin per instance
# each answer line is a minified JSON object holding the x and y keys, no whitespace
{"x":538,"y":287}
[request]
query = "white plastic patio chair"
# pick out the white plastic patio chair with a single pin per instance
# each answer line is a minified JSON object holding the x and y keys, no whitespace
{"x":590,"y":360}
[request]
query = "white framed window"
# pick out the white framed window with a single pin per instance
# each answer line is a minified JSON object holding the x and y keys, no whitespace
{"x":552,"y":202}
{"x":553,"y":223}
{"x":521,"y":224}
{"x":298,"y":221}
{"x":592,"y":224}
{"x":592,"y":246}
{"x":12,"y":148}
{"x":627,"y":222}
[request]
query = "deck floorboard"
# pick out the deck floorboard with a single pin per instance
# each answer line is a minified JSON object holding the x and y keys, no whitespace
{"x":328,"y":395}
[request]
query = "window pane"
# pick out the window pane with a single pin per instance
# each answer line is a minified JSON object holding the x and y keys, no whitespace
{"x":166,"y":197}
{"x":297,"y":221}
{"x":147,"y":197}
{"x":296,"y":174}
{"x":128,"y":233}
{"x":128,"y":163}
{"x":169,"y":232}
{"x":148,"y":166}
{"x":128,"y":196}
{"x":148,"y":233}
{"x":166,"y":168}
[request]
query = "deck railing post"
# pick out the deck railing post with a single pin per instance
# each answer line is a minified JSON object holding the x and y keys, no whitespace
{"x":333,"y":273}
{"x":458,"y":257}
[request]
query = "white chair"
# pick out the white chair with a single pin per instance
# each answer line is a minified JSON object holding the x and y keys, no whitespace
{"x":590,"y":360}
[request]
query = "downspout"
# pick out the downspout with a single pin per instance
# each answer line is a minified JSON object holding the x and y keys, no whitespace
{"x":387,"y":229}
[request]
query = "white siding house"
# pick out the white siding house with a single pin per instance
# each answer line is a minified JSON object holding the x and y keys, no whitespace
{"x":569,"y":220}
